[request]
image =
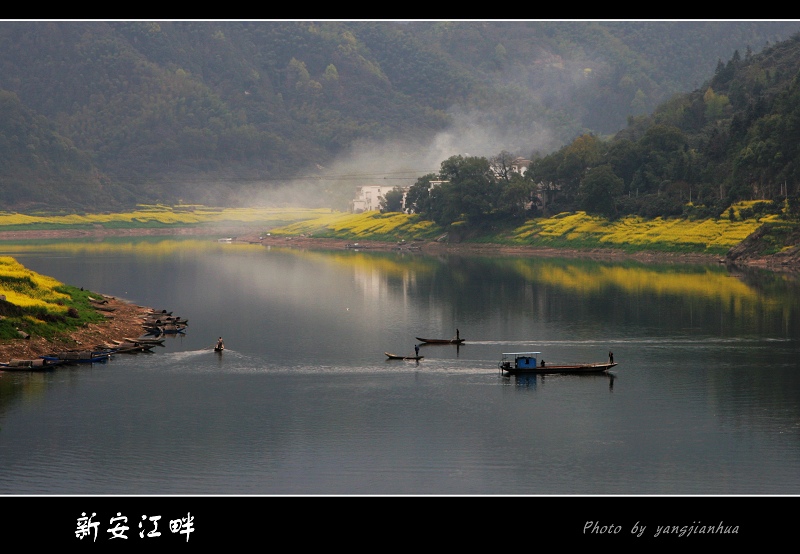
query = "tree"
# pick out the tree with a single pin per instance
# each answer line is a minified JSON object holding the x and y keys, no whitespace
{"x":393,"y":200}
{"x":501,"y":165}
{"x":471,"y":192}
{"x":418,"y":197}
{"x":517,"y":197}
{"x":598,"y":191}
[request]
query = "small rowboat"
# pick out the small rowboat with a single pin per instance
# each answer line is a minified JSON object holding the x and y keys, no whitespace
{"x":219,"y":349}
{"x":396,"y":357}
{"x":441,"y":341}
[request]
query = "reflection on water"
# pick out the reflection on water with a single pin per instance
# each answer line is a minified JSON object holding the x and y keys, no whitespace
{"x":303,"y":400}
{"x":530,"y":380}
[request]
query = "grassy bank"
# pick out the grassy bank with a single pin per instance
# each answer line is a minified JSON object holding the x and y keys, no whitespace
{"x":38,"y":305}
{"x":567,"y":230}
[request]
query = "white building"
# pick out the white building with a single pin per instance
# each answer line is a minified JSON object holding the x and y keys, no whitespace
{"x":520,"y":165}
{"x":369,"y":197}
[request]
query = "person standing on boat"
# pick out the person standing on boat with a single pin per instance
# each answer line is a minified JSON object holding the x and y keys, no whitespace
{"x":458,"y":335}
{"x":416,"y":350}
{"x":610,"y":357}
{"x":220,"y":344}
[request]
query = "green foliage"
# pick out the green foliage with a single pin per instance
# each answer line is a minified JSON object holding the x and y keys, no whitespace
{"x":599,"y":190}
{"x":104,"y":114}
{"x":393,"y":201}
{"x":39,"y":321}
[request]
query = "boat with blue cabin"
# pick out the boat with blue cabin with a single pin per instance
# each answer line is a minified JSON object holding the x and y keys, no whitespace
{"x":515,"y":363}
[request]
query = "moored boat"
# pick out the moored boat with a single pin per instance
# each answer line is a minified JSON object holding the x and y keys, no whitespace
{"x":515,"y":363}
{"x":131,"y":348}
{"x":38,"y":364}
{"x":79,"y":357}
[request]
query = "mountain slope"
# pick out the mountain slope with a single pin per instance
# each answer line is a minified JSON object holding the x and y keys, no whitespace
{"x":218,"y":111}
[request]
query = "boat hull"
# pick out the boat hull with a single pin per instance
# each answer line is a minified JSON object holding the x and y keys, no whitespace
{"x":38,"y":364}
{"x":440,"y":341}
{"x":566,"y":368}
{"x":396,"y":357}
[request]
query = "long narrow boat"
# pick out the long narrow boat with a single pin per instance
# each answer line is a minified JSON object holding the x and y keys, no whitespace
{"x":38,"y":364}
{"x":82,"y":357}
{"x":515,"y":363}
{"x":131,"y":348}
{"x":165,"y":330}
{"x":396,"y":357}
{"x":146,"y":340}
{"x":440,"y":341}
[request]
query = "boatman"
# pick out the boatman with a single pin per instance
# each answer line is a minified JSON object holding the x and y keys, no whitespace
{"x":457,"y":335}
{"x":610,"y":357}
{"x":416,"y":350}
{"x":220,"y":344}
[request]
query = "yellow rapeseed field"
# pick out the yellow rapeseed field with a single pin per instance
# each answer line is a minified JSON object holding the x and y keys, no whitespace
{"x":26,"y":288}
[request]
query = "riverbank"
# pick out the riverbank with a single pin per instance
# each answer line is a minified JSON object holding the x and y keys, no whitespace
{"x":784,"y":262}
{"x":483,"y":249}
{"x":125,"y":321}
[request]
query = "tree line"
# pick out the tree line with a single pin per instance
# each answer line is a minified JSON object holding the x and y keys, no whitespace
{"x":736,"y":138}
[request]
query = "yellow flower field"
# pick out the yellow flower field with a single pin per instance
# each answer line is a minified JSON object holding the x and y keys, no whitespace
{"x":25,"y":288}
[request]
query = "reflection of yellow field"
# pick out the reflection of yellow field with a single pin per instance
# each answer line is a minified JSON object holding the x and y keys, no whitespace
{"x":672,"y":282}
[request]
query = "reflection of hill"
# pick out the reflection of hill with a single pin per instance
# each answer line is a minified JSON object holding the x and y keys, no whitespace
{"x":28,"y":386}
{"x":519,"y":286}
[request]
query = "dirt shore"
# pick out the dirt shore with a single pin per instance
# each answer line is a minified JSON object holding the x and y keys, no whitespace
{"x":124,"y":322}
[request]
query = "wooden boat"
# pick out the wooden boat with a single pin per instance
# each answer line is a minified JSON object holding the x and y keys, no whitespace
{"x":167,"y":320}
{"x":440,"y":341}
{"x":131,"y":348}
{"x":166,"y":330}
{"x":79,"y":357}
{"x":146,"y":340}
{"x":38,"y":364}
{"x":515,"y":363}
{"x":219,"y":349}
{"x":396,"y":357}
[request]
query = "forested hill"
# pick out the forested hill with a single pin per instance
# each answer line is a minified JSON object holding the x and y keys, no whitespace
{"x":736,"y":138}
{"x":101,"y":115}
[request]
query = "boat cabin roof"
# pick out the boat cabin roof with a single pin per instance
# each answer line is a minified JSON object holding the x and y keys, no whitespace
{"x":518,"y":354}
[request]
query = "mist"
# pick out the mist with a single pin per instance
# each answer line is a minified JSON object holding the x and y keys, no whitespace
{"x":397,"y":163}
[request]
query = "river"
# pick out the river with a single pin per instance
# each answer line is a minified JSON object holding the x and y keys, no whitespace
{"x":705,"y":399}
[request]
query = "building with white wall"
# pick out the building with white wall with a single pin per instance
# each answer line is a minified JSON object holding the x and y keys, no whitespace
{"x":369,"y":197}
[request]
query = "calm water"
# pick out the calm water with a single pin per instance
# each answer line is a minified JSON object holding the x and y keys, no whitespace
{"x":705,"y":399}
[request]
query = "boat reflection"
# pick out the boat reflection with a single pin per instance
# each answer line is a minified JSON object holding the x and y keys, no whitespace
{"x":530,"y":380}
